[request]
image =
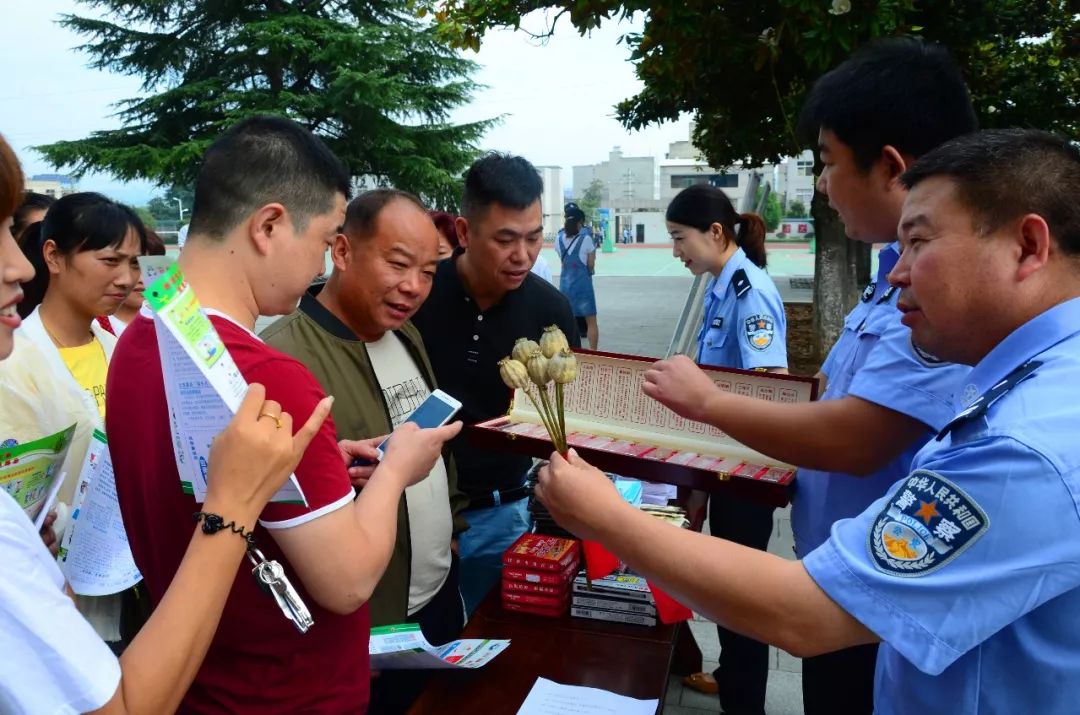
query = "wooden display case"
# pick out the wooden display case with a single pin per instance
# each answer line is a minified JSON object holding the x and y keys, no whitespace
{"x":616,"y":427}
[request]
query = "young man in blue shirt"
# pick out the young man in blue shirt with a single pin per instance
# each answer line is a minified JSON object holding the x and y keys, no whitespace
{"x":967,"y":568}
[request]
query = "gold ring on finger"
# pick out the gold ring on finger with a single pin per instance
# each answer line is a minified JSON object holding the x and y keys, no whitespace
{"x":275,"y":418}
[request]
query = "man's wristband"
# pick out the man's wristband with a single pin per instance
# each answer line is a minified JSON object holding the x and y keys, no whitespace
{"x":213,"y":523}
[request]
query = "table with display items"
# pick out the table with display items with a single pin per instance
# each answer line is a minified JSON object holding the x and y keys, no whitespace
{"x":625,"y":659}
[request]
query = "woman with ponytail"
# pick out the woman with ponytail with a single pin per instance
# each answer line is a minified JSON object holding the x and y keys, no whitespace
{"x":84,"y":257}
{"x":743,"y":327}
{"x":744,"y":323}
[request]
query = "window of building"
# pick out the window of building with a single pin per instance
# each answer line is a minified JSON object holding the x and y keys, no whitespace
{"x":721,"y":181}
{"x":804,"y":168}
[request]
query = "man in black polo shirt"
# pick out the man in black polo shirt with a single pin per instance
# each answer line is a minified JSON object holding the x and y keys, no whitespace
{"x":485,"y":298}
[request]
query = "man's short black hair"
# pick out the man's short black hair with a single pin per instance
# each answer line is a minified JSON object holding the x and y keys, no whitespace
{"x":263,"y":160}
{"x":363,"y":211}
{"x":1003,"y":174}
{"x":502,"y":179}
{"x":899,"y":92}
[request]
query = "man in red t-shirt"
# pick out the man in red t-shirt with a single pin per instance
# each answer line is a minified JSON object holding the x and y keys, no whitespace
{"x":270,"y":198}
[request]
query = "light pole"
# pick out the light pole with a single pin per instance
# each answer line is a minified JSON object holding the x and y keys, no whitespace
{"x":180,"y":205}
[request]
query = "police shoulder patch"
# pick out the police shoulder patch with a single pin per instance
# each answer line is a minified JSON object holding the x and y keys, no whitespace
{"x":760,"y":330}
{"x":927,"y":523}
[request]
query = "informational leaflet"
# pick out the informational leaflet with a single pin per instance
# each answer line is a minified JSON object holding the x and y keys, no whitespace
{"x":50,"y":501}
{"x":203,"y":386}
{"x":550,"y":698}
{"x":30,"y":472}
{"x":94,"y":554}
{"x":403,"y":647}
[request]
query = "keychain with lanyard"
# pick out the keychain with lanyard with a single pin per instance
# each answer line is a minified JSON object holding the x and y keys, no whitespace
{"x":268,"y":573}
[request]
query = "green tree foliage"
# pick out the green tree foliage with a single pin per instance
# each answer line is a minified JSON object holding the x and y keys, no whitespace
{"x":591,"y":199}
{"x":147,"y":216}
{"x":165,"y":208}
{"x":771,"y":212}
{"x":742,"y":69}
{"x":796,"y":209}
{"x":162,"y":210}
{"x":369,"y":77}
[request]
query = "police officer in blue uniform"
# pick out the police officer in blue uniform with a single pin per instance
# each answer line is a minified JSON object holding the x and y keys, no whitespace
{"x":884,"y":396}
{"x":744,"y":326}
{"x":966,"y":569}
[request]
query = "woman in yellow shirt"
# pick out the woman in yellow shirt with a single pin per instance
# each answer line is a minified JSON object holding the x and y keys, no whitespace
{"x":85,"y":255}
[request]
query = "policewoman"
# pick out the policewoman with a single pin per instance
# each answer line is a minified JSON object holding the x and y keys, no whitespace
{"x":744,"y":327}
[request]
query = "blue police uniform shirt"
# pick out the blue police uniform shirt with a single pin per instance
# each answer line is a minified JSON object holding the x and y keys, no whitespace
{"x":875,"y":360}
{"x":744,"y":324}
{"x":969,"y":568}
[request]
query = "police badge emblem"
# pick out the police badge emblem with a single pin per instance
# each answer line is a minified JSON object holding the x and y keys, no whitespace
{"x":760,"y":331}
{"x":928,"y":522}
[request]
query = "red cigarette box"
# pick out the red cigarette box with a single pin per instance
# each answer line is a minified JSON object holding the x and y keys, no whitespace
{"x":537,"y":552}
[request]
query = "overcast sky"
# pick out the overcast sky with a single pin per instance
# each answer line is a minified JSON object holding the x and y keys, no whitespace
{"x":557,"y":98}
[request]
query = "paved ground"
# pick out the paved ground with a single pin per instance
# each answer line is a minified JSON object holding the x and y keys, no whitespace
{"x":655,"y":260}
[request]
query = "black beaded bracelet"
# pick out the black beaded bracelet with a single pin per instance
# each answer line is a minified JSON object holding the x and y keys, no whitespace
{"x":213,"y":523}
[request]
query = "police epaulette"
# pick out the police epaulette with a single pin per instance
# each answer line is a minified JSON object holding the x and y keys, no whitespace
{"x":979,"y":407}
{"x":886,"y":295}
{"x":868,"y":291}
{"x":741,"y":283}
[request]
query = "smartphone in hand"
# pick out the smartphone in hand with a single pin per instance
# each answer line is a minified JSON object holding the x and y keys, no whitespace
{"x":435,"y":411}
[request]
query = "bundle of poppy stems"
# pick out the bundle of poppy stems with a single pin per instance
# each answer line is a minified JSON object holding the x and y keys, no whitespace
{"x":533,"y":367}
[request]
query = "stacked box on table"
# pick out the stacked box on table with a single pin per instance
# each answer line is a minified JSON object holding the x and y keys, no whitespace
{"x":620,"y":597}
{"x":537,"y":552}
{"x":616,"y":427}
{"x":537,"y":571}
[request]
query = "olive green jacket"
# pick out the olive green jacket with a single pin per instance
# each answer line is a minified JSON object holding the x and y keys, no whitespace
{"x":339,"y":360}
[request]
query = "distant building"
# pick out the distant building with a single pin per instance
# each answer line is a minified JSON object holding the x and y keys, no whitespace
{"x":55,"y":185}
{"x":628,"y":181}
{"x":552,"y":200}
{"x":638,"y":189}
{"x":794,"y":179}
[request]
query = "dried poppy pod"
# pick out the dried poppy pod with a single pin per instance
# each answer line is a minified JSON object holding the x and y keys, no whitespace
{"x":537,"y":367}
{"x":563,"y":367}
{"x":523,"y":348}
{"x":552,"y":341}
{"x":513,"y":373}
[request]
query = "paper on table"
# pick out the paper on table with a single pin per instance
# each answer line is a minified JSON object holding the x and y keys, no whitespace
{"x":550,"y":698}
{"x":94,"y":554}
{"x":29,"y":471}
{"x":404,"y":647}
{"x":203,"y":386}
